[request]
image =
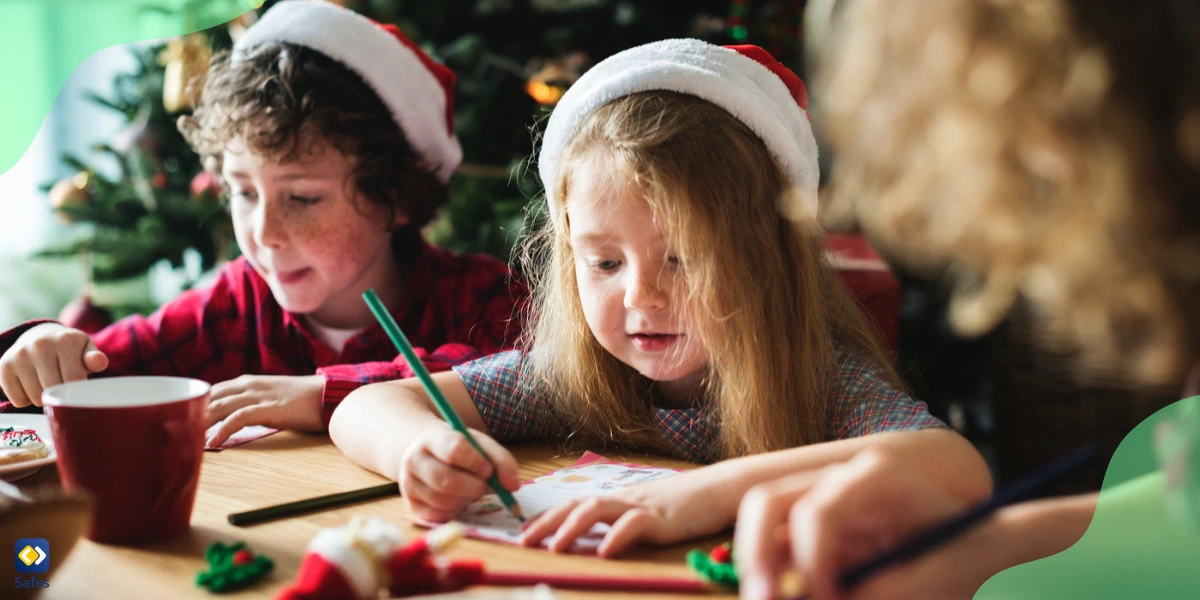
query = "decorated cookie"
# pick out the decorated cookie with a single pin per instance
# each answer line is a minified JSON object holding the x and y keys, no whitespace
{"x":20,"y":445}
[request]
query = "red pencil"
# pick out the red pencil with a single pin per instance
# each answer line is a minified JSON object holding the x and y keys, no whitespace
{"x":677,"y":585}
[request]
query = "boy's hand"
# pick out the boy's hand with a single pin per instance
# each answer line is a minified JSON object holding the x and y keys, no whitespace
{"x":45,"y":356}
{"x":279,"y":401}
{"x":441,"y":473}
{"x":658,"y":512}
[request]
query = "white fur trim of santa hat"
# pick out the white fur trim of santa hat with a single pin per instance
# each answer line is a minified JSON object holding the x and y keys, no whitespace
{"x":417,"y":90}
{"x":746,"y":87}
{"x":357,"y":550}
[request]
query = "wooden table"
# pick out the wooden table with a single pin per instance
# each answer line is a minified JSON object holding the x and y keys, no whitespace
{"x":288,"y":466}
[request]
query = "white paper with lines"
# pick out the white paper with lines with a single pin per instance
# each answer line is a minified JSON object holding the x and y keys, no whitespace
{"x":592,"y":475}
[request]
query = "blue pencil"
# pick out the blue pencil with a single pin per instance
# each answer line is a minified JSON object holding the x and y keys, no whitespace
{"x":932,"y":537}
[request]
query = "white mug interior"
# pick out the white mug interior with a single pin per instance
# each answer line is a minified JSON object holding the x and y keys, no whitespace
{"x":123,"y":392}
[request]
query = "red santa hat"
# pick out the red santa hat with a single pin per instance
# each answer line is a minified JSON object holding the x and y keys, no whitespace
{"x":345,"y":563}
{"x":355,"y":562}
{"x":418,"y":90}
{"x":745,"y":80}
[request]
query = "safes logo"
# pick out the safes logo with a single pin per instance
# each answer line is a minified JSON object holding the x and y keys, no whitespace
{"x":32,"y":555}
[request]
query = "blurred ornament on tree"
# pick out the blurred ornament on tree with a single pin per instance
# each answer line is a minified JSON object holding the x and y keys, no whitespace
{"x":138,"y":135}
{"x":205,"y":187}
{"x":70,"y":193}
{"x":736,"y":21}
{"x":551,"y":78}
{"x":706,"y":25}
{"x":83,"y":315}
{"x":186,"y":61}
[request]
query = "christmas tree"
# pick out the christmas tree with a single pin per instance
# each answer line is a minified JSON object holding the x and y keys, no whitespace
{"x":161,"y":205}
{"x":514,"y":60}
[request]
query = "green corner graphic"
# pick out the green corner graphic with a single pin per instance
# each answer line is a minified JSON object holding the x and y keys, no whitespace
{"x":1144,"y":539}
{"x":43,"y":41}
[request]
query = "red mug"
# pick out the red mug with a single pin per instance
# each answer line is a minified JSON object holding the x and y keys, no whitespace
{"x":134,"y":444}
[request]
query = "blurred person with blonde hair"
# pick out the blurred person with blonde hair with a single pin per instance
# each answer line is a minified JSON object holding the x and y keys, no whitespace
{"x":1048,"y":152}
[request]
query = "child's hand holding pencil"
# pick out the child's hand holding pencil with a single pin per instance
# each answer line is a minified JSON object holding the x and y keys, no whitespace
{"x":442,"y":473}
{"x":875,"y":527}
{"x":438,"y":467}
{"x":825,"y":522}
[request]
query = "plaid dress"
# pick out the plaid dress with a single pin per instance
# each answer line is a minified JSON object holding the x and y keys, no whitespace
{"x":863,"y":403}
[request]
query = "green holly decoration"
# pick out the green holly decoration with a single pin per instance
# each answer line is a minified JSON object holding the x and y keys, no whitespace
{"x":232,"y":567}
{"x":715,"y":566}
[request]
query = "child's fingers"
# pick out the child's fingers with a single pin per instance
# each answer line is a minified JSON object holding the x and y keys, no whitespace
{"x":505,"y":463}
{"x":71,"y":363}
{"x":422,"y":510}
{"x":29,"y":383}
{"x":256,"y":414}
{"x":13,"y":388}
{"x":93,"y":359}
{"x":812,"y":523}
{"x":845,"y":519}
{"x":231,"y":387}
{"x":429,"y":504}
{"x":546,"y":523}
{"x":453,"y":449}
{"x":218,"y":410}
{"x":760,"y":539}
{"x":444,"y":479}
{"x":48,"y":373}
{"x":586,"y":514}
{"x":634,"y":525}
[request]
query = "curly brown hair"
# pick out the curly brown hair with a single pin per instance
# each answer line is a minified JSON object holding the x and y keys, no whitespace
{"x":1046,"y":151}
{"x":282,"y":97}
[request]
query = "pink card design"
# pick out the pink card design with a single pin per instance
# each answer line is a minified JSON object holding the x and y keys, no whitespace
{"x":591,"y":475}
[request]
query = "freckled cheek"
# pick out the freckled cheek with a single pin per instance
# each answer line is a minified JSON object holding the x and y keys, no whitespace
{"x":339,"y":243}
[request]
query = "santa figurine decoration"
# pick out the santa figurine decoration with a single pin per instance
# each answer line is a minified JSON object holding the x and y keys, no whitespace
{"x":358,"y":560}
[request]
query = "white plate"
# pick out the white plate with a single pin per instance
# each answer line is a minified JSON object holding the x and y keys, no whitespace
{"x":41,"y":425}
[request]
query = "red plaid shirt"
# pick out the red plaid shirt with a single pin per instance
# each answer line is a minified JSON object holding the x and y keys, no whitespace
{"x":461,"y":308}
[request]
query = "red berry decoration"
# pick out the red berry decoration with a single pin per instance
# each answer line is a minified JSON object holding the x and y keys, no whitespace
{"x":232,"y":566}
{"x":243,"y":557}
{"x":716,"y":566}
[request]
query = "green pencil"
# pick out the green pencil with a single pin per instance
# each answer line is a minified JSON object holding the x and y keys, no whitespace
{"x":288,"y":509}
{"x":414,"y":362}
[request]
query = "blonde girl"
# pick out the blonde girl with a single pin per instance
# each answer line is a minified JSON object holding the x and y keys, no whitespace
{"x":683,"y":306}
